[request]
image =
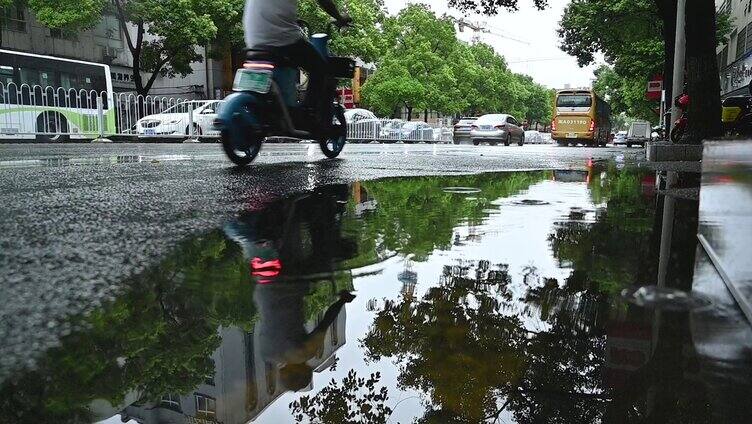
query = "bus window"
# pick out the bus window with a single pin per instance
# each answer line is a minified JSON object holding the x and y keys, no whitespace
{"x":68,"y":81}
{"x":6,"y":74}
{"x":574,"y":100}
{"x":48,"y":79}
{"x":29,"y":76}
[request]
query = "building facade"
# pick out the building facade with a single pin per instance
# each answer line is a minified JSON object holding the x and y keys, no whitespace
{"x":735,"y":57}
{"x":243,"y":384}
{"x":105,"y":43}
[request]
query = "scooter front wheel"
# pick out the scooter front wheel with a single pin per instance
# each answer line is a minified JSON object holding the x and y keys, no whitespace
{"x":241,"y":156}
{"x":332,"y":146}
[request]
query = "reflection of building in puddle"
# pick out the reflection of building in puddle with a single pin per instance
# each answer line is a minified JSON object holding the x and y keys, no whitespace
{"x":409,"y":279}
{"x":243,"y":384}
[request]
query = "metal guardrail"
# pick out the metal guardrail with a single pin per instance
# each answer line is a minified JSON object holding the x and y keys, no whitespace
{"x":56,"y":114}
{"x":397,"y":131}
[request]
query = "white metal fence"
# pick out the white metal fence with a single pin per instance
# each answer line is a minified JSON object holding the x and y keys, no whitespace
{"x":397,"y":131}
{"x":59,"y":114}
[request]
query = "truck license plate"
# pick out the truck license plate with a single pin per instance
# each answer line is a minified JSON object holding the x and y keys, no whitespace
{"x":571,"y":135}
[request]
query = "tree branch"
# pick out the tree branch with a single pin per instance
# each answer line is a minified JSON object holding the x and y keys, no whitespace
{"x":123,"y":24}
{"x":154,"y":74}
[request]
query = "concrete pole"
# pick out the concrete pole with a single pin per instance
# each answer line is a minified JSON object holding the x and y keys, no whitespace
{"x":671,"y":177}
{"x":680,"y":51}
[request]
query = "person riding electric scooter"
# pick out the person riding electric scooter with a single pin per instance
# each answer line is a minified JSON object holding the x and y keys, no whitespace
{"x":265,"y":100}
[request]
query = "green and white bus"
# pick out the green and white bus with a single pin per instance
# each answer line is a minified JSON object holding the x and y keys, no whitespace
{"x":53,"y":99}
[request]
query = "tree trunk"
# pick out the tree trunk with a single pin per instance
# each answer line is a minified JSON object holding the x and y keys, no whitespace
{"x":425,"y":116}
{"x":703,"y":82}
{"x":409,"y":114}
{"x":667,"y":11}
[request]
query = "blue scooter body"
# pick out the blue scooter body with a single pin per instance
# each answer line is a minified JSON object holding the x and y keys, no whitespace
{"x":248,"y":117}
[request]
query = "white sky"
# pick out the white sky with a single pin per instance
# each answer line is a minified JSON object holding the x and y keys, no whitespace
{"x":528,"y":24}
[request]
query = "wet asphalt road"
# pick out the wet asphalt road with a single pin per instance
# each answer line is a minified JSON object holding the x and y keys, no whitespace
{"x":78,"y":220}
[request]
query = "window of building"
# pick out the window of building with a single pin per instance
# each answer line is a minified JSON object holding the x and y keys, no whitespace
{"x":741,"y":40}
{"x":723,"y":58}
{"x":108,"y":27}
{"x":13,"y":19}
{"x":63,"y":34}
{"x":170,"y":401}
{"x":206,"y":407}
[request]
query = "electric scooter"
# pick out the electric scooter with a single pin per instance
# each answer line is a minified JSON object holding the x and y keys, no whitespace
{"x":265,"y":104}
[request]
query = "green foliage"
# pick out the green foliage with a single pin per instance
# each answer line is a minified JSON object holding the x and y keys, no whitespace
{"x":626,"y":95}
{"x":463,"y":344}
{"x":356,"y":401}
{"x":365,"y":40}
{"x":416,"y":215}
{"x":491,"y":7}
{"x":157,"y":338}
{"x":68,"y":14}
{"x":611,"y":253}
{"x":426,"y":67}
{"x":628,"y":33}
{"x":167,"y":34}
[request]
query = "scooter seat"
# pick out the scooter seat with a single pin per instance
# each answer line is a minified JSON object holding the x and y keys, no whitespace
{"x":266,"y":56}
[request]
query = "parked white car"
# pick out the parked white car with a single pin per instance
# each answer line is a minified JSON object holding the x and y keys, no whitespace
{"x":175,"y":120}
{"x":533,"y":137}
{"x":357,"y":115}
{"x":620,"y":138}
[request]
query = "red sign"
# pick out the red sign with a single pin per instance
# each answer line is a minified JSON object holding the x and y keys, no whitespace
{"x":346,"y":95}
{"x":655,"y":88}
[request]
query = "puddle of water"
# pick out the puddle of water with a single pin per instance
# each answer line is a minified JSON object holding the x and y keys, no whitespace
{"x":396,"y":300}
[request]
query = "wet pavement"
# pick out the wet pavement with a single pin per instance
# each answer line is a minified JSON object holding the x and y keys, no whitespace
{"x":524,"y":296}
{"x":76,"y":220}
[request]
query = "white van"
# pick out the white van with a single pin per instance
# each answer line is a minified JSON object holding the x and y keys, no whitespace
{"x":639,"y":133}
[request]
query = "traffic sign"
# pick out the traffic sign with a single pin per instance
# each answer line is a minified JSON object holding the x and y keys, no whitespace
{"x":655,"y":88}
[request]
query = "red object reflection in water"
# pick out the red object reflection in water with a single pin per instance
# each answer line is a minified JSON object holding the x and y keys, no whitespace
{"x":265,"y":269}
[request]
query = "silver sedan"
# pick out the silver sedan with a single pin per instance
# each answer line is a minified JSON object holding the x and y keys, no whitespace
{"x":497,"y":128}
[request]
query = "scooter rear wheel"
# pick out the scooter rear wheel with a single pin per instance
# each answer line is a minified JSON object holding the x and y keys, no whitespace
{"x":676,"y":134}
{"x":241,"y":157}
{"x":333,"y":145}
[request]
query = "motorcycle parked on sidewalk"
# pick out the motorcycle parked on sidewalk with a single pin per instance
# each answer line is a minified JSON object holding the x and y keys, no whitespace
{"x":737,"y":114}
{"x":680,"y":126}
{"x":265,"y":104}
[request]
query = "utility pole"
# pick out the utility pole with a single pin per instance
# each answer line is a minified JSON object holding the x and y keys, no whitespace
{"x":669,"y":201}
{"x":680,"y":51}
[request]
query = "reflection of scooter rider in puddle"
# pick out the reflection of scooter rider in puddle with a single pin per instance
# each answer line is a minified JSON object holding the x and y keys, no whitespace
{"x":282,"y":333}
{"x":282,"y":243}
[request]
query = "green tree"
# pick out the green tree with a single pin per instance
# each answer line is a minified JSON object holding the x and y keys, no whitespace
{"x":625,"y":94}
{"x":167,"y":32}
{"x":156,"y":338}
{"x":637,"y":38}
{"x":418,"y":44}
{"x":364,"y":40}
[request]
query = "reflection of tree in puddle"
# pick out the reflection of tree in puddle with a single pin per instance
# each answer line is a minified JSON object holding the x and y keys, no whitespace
{"x":461,"y":345}
{"x":356,"y":400}
{"x":415,"y":216}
